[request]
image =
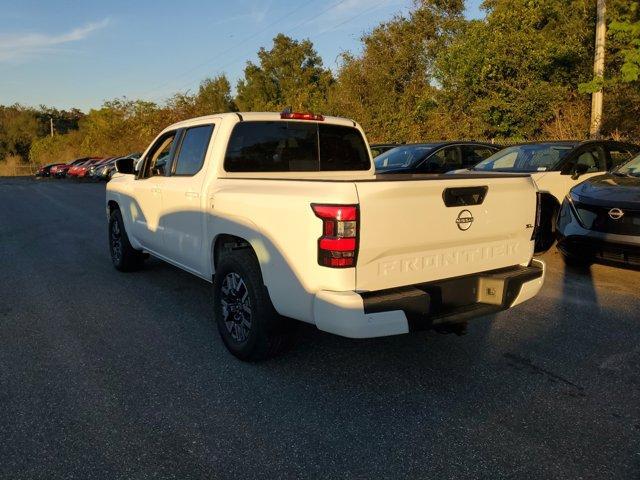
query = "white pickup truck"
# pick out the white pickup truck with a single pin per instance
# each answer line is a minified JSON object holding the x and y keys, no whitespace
{"x":284,"y":214}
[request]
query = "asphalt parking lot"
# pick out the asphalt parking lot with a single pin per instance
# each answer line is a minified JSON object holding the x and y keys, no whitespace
{"x":111,"y":375}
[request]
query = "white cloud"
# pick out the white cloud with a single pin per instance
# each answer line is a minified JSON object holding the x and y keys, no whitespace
{"x":256,"y":12}
{"x":344,"y":12}
{"x":350,"y":7}
{"x":260,"y":14}
{"x":21,"y":46}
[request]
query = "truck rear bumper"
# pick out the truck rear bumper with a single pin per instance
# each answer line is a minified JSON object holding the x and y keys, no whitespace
{"x":418,"y":307}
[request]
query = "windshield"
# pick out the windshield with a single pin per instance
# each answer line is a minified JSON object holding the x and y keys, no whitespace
{"x":631,"y":168}
{"x":402,"y":157}
{"x":526,"y":158}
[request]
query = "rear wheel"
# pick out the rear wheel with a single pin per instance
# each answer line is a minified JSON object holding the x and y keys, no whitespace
{"x":250,"y":327}
{"x":124,"y":257}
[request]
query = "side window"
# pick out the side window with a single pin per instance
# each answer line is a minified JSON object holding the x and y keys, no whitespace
{"x":193,"y":148}
{"x":157,"y":161}
{"x":443,"y":160}
{"x":452,"y":159}
{"x":593,"y":158}
{"x":473,"y":154}
{"x":506,"y":161}
{"x":618,"y":155}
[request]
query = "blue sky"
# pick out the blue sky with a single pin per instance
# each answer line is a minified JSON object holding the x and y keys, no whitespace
{"x":69,"y":53}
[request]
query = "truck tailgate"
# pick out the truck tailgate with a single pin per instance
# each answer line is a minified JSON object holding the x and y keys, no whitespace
{"x":420,"y":230}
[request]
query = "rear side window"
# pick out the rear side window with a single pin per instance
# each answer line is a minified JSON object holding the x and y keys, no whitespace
{"x":443,"y":160}
{"x":592,"y":159}
{"x":192,"y":150}
{"x":472,"y":154}
{"x":619,"y":155}
{"x":283,"y":146}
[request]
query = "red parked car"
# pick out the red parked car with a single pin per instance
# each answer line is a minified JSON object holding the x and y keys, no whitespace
{"x":46,"y":170}
{"x":83,"y":169}
{"x":78,"y":168}
{"x":61,"y":170}
{"x":71,"y":172}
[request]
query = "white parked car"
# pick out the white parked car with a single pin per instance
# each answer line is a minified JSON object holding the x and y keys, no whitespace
{"x":556,"y":167}
{"x":285,"y":215}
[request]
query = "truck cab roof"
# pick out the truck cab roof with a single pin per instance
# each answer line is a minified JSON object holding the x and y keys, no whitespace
{"x":257,"y":116}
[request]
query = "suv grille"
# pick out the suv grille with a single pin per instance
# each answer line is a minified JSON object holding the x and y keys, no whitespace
{"x":597,"y":219}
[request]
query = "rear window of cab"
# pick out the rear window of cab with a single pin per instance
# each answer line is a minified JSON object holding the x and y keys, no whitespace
{"x":289,"y":146}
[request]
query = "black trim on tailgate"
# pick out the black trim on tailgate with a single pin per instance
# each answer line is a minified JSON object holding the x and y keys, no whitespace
{"x":464,"y":196}
{"x":453,"y":300}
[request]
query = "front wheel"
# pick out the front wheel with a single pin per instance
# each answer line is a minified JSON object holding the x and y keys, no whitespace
{"x":250,"y":327}
{"x":123,"y":256}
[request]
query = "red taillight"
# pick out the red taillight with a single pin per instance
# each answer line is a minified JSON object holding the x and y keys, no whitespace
{"x":338,"y":245}
{"x":301,"y":116}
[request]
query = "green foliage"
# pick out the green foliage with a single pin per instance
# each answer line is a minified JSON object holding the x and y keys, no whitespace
{"x":290,"y":74}
{"x":626,"y":32}
{"x":390,"y":88}
{"x":20,"y":126}
{"x":593,"y":86}
{"x":214,"y":96}
{"x":508,"y":74}
{"x":522,"y":72}
{"x":122,"y":126}
{"x":59,"y":148}
{"x":623,"y":48}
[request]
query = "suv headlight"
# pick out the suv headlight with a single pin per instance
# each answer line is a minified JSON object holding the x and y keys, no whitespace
{"x":584,"y":216}
{"x":572,"y":197}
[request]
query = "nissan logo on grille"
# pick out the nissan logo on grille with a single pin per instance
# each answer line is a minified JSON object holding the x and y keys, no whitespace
{"x":464,"y":220}
{"x":616,"y":213}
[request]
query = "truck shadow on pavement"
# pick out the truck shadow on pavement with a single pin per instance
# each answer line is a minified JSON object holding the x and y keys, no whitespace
{"x":309,"y":338}
{"x":493,"y":342}
{"x":111,"y":375}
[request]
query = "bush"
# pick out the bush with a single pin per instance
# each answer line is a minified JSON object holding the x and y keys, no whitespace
{"x":12,"y":166}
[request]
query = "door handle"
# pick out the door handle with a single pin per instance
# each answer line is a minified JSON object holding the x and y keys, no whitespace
{"x":212,"y":201}
{"x":464,"y":196}
{"x":155,"y":190}
{"x":191,"y":194}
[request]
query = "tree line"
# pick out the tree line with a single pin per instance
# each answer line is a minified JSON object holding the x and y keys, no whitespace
{"x":523,"y":72}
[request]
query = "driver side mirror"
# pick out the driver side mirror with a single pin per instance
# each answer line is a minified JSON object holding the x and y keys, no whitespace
{"x":580,"y":169}
{"x":125,"y":165}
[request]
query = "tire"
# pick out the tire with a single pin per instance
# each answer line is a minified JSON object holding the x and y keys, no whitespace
{"x":123,"y":256}
{"x":250,"y":327}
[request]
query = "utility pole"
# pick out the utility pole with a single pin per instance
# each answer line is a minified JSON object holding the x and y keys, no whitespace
{"x":51,"y":125}
{"x":598,"y":69}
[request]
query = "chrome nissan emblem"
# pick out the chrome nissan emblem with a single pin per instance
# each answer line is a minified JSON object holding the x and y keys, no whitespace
{"x":616,"y":213}
{"x":464,"y":220}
